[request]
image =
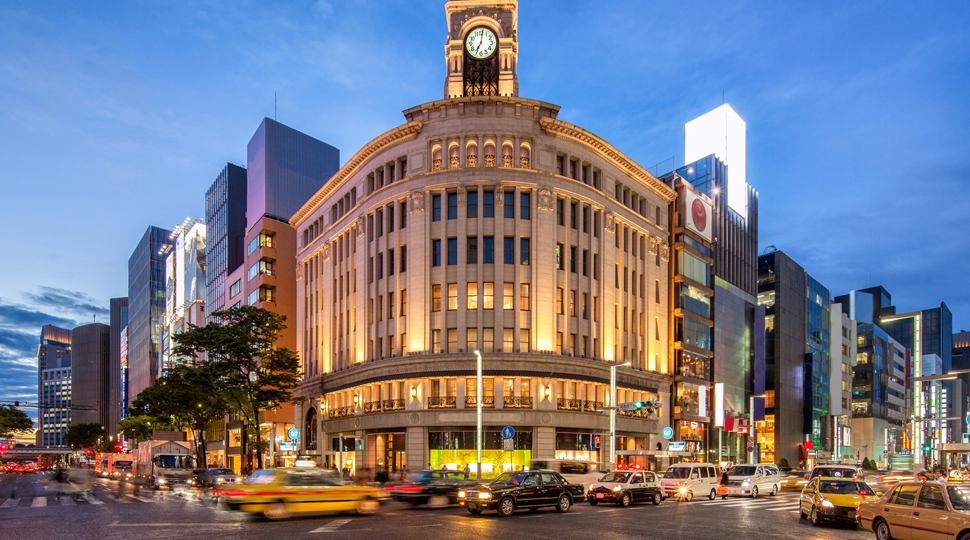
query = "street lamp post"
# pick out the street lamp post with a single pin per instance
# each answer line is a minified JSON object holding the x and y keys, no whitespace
{"x":754,"y":431}
{"x":478,"y":413}
{"x":613,"y":412}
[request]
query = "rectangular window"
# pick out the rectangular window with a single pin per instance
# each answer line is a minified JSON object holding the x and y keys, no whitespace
{"x":657,"y":295}
{"x":573,"y":217}
{"x":472,"y":206}
{"x":616,"y":276}
{"x":524,"y":296}
{"x":524,"y":343}
{"x":436,"y":298}
{"x":573,"y":259}
{"x":452,"y":340}
{"x":404,"y":303}
{"x":452,"y":296}
{"x":452,"y":251}
{"x":525,"y":205}
{"x":436,"y":208}
{"x":559,"y":301}
{"x":390,"y":218}
{"x":390,"y":262}
{"x":235,"y":288}
{"x":510,"y":204}
{"x":572,"y":303}
{"x":508,"y":292}
{"x":379,"y":220}
{"x":585,"y":219}
{"x":488,"y":343}
{"x":488,"y":204}
{"x":404,"y":223}
{"x":471,"y":251}
{"x":586,"y":306}
{"x":488,"y":295}
{"x":509,"y":254}
{"x":656,"y":328}
{"x":572,"y":345}
{"x":488,"y":250}
{"x":471,"y":339}
{"x":380,"y":266}
{"x":370,"y":270}
{"x":263,"y":240}
{"x":596,"y":266}
{"x":559,"y":165}
{"x":436,"y":253}
{"x":560,"y":256}
{"x":561,"y":212}
{"x":524,"y":250}
{"x":559,"y":343}
{"x":380,"y":308}
{"x":404,"y":258}
{"x":472,"y":295}
{"x":508,"y":340}
{"x":390,"y":305}
{"x":452,"y":206}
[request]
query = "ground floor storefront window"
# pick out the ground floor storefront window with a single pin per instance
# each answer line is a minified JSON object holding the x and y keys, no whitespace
{"x":343,"y":449}
{"x":455,"y":449}
{"x":578,"y":446}
{"x":694,"y":435}
{"x":634,"y":460}
{"x":386,"y":450}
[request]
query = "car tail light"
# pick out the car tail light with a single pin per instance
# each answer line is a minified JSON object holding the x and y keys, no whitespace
{"x":409,"y":488}
{"x":231,"y":492}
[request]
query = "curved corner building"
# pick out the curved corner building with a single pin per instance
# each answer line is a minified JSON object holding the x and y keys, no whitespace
{"x":483,"y":222}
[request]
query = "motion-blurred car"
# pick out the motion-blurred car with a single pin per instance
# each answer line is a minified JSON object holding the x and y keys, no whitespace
{"x":10,"y":467}
{"x":28,"y":468}
{"x":836,"y":471}
{"x":794,"y":478}
{"x":918,"y":510}
{"x":434,"y":488}
{"x":625,"y":488}
{"x":279,"y":493}
{"x":512,"y":491}
{"x":833,"y":499}
{"x":216,"y":477}
{"x":750,"y":480}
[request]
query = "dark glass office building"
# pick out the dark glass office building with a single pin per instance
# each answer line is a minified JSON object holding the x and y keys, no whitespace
{"x":91,"y":389}
{"x":285,"y":168}
{"x":118,"y":320}
{"x":146,"y":303}
{"x":818,"y":351}
{"x":225,"y":219}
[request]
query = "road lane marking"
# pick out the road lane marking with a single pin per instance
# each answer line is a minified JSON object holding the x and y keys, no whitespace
{"x":67,"y":501}
{"x":117,"y":523}
{"x":39,"y":501}
{"x":795,"y":507}
{"x":145,"y":499}
{"x":332,"y":526}
{"x":90,"y":498}
{"x":9,"y":503}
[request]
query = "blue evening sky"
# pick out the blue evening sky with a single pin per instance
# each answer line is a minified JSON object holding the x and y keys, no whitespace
{"x":118,"y":115}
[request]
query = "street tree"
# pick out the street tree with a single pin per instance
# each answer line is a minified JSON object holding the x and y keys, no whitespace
{"x":136,"y":427}
{"x":81,"y":436}
{"x":14,"y":422}
{"x":255,"y":375}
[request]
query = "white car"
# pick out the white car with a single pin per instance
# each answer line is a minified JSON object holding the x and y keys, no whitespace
{"x":752,"y":480}
{"x":687,"y":480}
{"x":625,"y":488}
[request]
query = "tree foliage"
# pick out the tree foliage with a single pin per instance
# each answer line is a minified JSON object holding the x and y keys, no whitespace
{"x":136,"y":427}
{"x":80,"y":436}
{"x":783,"y":463}
{"x":13,"y":421}
{"x":254,"y":374}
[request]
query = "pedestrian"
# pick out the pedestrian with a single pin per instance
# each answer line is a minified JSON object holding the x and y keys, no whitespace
{"x":722,"y":485}
{"x":467,"y":471}
{"x":430,"y":468}
{"x":60,"y":478}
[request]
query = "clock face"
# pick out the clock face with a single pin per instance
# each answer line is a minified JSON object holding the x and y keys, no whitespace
{"x":481,"y":43}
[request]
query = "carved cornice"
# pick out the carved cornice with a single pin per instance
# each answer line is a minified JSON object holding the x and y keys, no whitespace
{"x":399,"y":134}
{"x":605,"y":149}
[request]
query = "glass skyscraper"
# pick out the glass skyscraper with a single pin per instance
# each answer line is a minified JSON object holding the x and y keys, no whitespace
{"x":225,"y":219}
{"x":818,"y":350}
{"x":146,"y":303}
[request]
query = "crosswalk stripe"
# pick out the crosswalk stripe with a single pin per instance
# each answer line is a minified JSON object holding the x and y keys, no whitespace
{"x":9,"y":503}
{"x":39,"y":501}
{"x":90,"y":498}
{"x":67,"y":501}
{"x":750,"y":503}
{"x":332,"y":526}
{"x":144,"y":499}
{"x":780,"y":508}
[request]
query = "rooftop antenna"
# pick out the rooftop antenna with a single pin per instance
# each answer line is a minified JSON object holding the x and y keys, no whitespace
{"x":274,"y":107}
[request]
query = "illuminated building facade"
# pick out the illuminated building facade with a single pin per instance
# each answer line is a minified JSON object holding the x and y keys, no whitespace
{"x":53,"y":386}
{"x":482,"y":223}
{"x":185,"y":280}
{"x":146,"y":307}
{"x":118,"y":321}
{"x":225,"y":220}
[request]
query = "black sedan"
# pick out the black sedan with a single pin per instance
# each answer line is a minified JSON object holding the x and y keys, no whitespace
{"x":214,"y":477}
{"x":516,"y":490}
{"x":434,"y":488}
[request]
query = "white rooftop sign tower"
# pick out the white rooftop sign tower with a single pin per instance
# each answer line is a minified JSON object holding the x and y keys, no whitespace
{"x":722,"y":132}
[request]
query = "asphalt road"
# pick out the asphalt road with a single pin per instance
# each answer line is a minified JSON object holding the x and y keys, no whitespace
{"x":28,"y":510}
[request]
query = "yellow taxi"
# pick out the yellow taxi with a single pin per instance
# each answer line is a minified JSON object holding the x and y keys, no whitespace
{"x":279,"y":493}
{"x":833,"y":499}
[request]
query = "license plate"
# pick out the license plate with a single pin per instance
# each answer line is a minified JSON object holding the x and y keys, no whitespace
{"x":599,"y":495}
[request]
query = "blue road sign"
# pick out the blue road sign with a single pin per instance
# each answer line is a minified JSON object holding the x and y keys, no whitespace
{"x":293,"y":433}
{"x":508,"y":432}
{"x":668,"y":432}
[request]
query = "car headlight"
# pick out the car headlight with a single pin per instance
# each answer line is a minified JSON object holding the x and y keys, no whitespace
{"x":461,"y":494}
{"x":827,"y":503}
{"x":617,"y":488}
{"x":746,"y":483}
{"x":484,"y":495}
{"x":683,"y":489}
{"x":161,"y":480}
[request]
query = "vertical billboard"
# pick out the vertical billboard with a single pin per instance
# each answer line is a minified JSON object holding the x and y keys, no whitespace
{"x":698,"y":214}
{"x":124,"y":372}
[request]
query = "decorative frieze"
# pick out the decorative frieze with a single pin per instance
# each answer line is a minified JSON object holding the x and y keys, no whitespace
{"x":610,"y":223}
{"x":416,"y":202}
{"x":546,"y":199}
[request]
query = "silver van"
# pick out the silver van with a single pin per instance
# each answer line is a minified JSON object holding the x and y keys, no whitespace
{"x":689,"y":480}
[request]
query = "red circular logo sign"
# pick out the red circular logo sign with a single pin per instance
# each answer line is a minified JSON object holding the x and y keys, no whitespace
{"x":699,"y":214}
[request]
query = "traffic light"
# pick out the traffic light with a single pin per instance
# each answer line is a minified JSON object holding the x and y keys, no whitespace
{"x":120,"y":447}
{"x":87,"y":451}
{"x":926,"y":448}
{"x":596,"y":441}
{"x":638,"y":405}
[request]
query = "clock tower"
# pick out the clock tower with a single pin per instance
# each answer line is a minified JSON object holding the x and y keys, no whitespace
{"x":482,"y":48}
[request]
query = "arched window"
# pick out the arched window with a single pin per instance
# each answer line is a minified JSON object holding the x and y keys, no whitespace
{"x":310,"y":429}
{"x":471,"y":155}
{"x":436,"y":159}
{"x":454,"y":159}
{"x":525,"y":160}
{"x":489,"y":155}
{"x":507,"y":155}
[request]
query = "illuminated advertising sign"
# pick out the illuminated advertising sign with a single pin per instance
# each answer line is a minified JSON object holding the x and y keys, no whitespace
{"x":124,"y":372}
{"x":699,"y":214}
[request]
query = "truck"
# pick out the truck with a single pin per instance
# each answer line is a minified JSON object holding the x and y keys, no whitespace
{"x":116,"y":463}
{"x":163,"y":464}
